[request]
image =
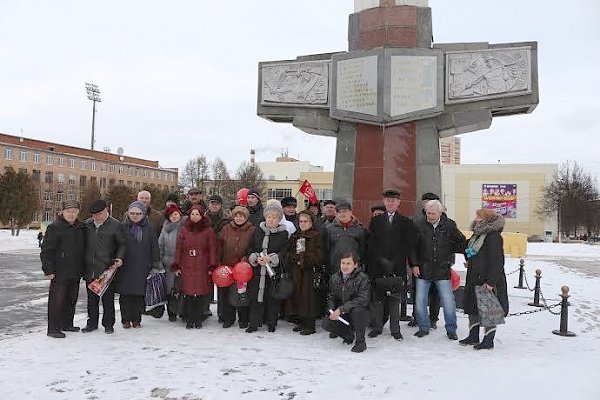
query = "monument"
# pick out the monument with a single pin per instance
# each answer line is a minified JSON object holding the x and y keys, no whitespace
{"x":393,"y":94}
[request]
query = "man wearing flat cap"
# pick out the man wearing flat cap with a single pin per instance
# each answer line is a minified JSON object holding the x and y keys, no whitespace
{"x":289,"y":205}
{"x":106,"y":244}
{"x":344,"y":234}
{"x":195,"y":196}
{"x":62,"y":255}
{"x":392,"y":244}
{"x":329,"y":213}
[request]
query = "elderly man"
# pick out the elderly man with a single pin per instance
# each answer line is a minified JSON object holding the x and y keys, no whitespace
{"x":62,"y":256}
{"x":105,"y":245}
{"x":329,"y":213}
{"x":392,"y":245}
{"x":155,"y":217}
{"x":439,"y":239}
{"x":195,"y":196}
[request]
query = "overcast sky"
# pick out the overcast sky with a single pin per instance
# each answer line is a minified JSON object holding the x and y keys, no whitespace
{"x":179,"y":78}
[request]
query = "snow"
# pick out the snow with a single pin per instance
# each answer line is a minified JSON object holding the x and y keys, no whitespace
{"x":27,"y":240}
{"x":163,"y":360}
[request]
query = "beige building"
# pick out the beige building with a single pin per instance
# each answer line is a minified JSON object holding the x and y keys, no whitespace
{"x":514,"y":190}
{"x":63,"y":172}
{"x":450,"y":150}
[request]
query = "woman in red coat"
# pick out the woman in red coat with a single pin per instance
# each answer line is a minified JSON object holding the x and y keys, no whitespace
{"x":195,"y":256}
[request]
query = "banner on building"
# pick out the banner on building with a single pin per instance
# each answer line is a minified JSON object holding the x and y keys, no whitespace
{"x":307,"y":190}
{"x":501,"y":198}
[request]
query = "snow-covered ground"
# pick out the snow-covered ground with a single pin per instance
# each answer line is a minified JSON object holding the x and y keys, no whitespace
{"x":163,"y":360}
{"x":26,"y":241}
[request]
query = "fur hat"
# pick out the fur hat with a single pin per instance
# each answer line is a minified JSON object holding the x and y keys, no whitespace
{"x":289,"y":201}
{"x":273,"y":206}
{"x":240,"y":210}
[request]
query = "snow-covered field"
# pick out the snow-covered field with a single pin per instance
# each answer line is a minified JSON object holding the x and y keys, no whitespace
{"x":163,"y":360}
{"x":27,"y":240}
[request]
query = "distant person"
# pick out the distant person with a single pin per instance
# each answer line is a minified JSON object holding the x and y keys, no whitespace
{"x":142,"y":257}
{"x":290,"y":204}
{"x":194,"y":197}
{"x":215,"y":213}
{"x":40,"y":237}
{"x":105,"y":246}
{"x":63,"y":262}
{"x":329,"y":213}
{"x":485,"y":267}
{"x":155,"y":217}
{"x":255,"y":207}
{"x":315,"y":209}
{"x":348,"y":299}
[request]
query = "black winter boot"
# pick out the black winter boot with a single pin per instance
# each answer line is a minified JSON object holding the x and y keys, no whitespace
{"x":473,"y":337}
{"x":488,"y":340}
{"x":359,"y":346}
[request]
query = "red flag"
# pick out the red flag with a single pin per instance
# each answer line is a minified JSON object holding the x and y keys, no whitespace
{"x":307,"y":190}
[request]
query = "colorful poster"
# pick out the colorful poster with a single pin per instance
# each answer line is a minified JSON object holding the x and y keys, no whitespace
{"x":501,"y":198}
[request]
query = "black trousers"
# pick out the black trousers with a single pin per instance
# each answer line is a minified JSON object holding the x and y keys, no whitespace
{"x":228,"y":313}
{"x":108,"y":306}
{"x":358,"y":318}
{"x":131,"y":307}
{"x":434,"y":302}
{"x":62,"y":298}
{"x":195,"y":306}
{"x":267,"y":311}
{"x":391,"y":304}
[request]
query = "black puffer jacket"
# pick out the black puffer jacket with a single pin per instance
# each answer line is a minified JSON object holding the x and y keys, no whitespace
{"x":437,"y":247}
{"x":256,"y":214}
{"x":63,"y":250}
{"x":355,"y":292}
{"x":338,"y":239}
{"x":104,"y":244}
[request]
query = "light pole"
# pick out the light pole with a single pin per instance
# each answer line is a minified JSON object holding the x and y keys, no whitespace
{"x":93,"y":94}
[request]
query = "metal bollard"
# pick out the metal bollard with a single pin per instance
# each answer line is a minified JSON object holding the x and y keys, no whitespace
{"x":564,"y":315}
{"x":521,"y":273}
{"x":536,"y":293}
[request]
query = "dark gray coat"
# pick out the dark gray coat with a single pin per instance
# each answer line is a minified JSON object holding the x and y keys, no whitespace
{"x":338,"y":239}
{"x":167,"y":242}
{"x":63,"y":250}
{"x":354,"y":292}
{"x":103,"y":245}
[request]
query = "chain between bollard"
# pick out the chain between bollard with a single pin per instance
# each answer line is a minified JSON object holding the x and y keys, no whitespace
{"x":535,"y":311}
{"x":527,"y":283}
{"x":512,"y":272}
{"x":549,"y":307}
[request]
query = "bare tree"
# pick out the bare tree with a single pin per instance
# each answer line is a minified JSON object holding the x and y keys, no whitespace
{"x":572,"y":197}
{"x":249,"y":175}
{"x":221,"y":181}
{"x":19,"y":200}
{"x":195,"y":173}
{"x":88,"y":195}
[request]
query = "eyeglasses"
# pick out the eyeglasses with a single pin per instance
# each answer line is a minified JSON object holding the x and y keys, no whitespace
{"x":135,"y":213}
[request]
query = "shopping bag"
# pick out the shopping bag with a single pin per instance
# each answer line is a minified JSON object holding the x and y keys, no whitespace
{"x":156,"y":291}
{"x":100,"y":284}
{"x":490,"y":310}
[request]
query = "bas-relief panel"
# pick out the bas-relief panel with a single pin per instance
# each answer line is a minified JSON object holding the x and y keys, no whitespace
{"x":296,"y":83}
{"x":477,"y":75}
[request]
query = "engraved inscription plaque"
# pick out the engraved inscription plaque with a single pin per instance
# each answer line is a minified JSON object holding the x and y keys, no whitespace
{"x":356,"y":83}
{"x":483,"y":74}
{"x":296,"y":83}
{"x":413,"y":85}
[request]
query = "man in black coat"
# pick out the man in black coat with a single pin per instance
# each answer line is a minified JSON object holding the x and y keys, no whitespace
{"x":106,"y":245}
{"x":439,"y":239}
{"x":391,"y":245}
{"x":289,"y":205}
{"x":62,"y":255}
{"x":255,"y":207}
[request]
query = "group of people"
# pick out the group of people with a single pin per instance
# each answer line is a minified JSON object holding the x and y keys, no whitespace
{"x":350,"y":275}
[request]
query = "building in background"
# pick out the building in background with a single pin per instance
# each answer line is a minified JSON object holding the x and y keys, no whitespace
{"x":62,"y":172}
{"x":450,"y":150}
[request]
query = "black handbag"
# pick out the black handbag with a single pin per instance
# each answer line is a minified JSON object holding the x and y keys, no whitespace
{"x":282,"y":287}
{"x":320,"y":277}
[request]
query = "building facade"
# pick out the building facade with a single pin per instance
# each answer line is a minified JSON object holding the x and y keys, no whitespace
{"x":450,"y":150}
{"x":62,"y":172}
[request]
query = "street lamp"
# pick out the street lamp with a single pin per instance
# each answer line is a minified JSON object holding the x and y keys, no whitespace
{"x":93,"y":94}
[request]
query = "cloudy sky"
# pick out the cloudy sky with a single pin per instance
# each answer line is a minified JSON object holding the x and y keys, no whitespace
{"x":179,"y":78}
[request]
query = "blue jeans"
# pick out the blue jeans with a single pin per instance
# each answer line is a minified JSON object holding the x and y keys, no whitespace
{"x":444,"y":289}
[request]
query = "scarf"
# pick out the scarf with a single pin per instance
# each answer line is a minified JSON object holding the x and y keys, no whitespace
{"x":480,"y":230}
{"x":265,"y":247}
{"x":135,"y":230}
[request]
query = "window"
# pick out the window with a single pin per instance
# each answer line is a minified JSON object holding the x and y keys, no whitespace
{"x":72,"y":163}
{"x":93,"y":165}
{"x":23,"y":155}
{"x":36,"y":158}
{"x":111,"y":182}
{"x":47,"y":215}
{"x":121,"y":169}
{"x":158,"y":175}
{"x":279,"y":194}
{"x":61,"y":178}
{"x":137,"y":172}
{"x":49,"y":159}
{"x":72,"y":179}
{"x":102,"y":183}
{"x":22,"y":170}
{"x":35,"y":175}
{"x":121,"y":182}
{"x":102,"y":167}
{"x":82,"y":180}
{"x":93,"y":179}
{"x":145,"y":173}
{"x":60,"y":196}
{"x":129,"y":171}
{"x":112,"y":168}
{"x":48,"y":177}
{"x":324,"y":194}
{"x":47,"y":195}
{"x":71,"y":195}
{"x":61,"y":161}
{"x":8,"y":154}
{"x":83,"y":164}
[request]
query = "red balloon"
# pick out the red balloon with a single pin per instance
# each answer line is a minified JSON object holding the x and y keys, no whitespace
{"x":242,"y":196}
{"x":242,"y":272}
{"x":455,"y":279}
{"x":222,"y":276}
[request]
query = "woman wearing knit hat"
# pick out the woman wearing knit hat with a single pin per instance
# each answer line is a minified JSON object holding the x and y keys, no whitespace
{"x":195,"y":256}
{"x":266,"y":254}
{"x":235,"y":238}
{"x":141,"y":257}
{"x":167,"y":242}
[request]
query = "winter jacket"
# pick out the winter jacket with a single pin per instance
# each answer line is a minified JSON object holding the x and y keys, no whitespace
{"x":63,"y":250}
{"x":140,"y":258}
{"x":354,"y":292}
{"x":103,"y":245}
{"x":391,"y":246}
{"x":304,"y":301}
{"x":437,"y":246}
{"x":339,"y":239}
{"x":487,"y":266}
{"x":256,"y":214}
{"x":235,"y":241}
{"x":167,"y":242}
{"x":217,"y":220}
{"x":156,"y":219}
{"x":195,"y":256}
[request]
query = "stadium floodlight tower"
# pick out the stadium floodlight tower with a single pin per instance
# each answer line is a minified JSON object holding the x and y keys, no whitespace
{"x":93,"y":94}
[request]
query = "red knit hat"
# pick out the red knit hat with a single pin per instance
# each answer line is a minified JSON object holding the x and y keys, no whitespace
{"x":171,"y":209}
